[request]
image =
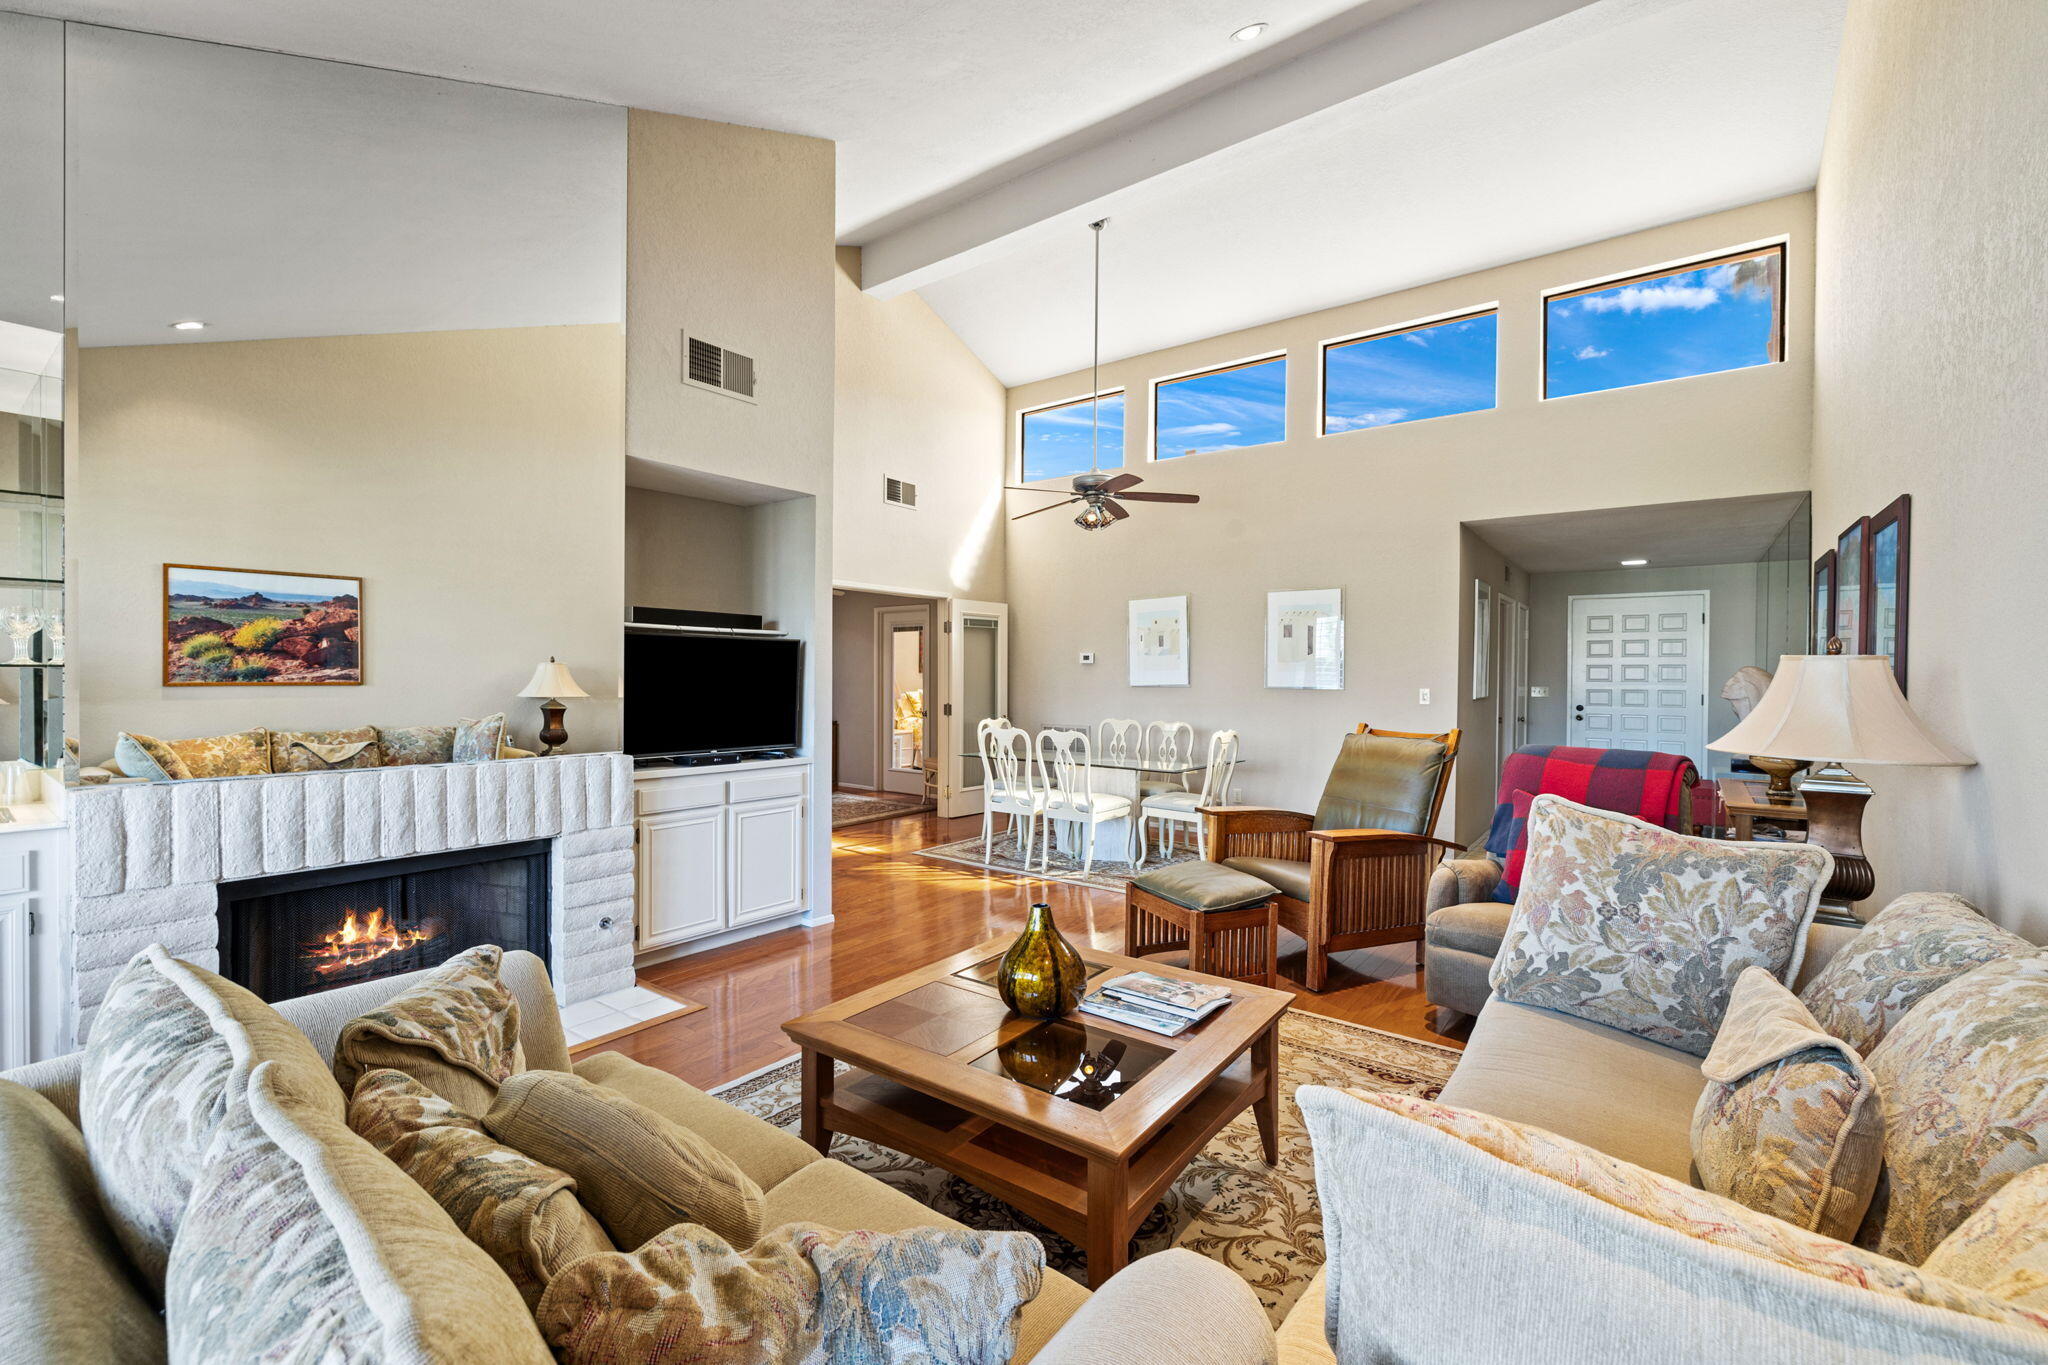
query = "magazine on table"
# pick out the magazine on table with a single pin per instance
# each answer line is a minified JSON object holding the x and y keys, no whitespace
{"x":1110,"y":1007}
{"x":1190,"y":998}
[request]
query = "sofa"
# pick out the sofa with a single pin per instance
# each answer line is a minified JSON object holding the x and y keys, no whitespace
{"x":66,"y":1294}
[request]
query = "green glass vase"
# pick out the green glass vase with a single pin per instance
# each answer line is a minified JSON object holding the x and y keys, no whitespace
{"x":1041,"y":974}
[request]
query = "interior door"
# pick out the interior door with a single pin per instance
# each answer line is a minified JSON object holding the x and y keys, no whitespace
{"x":1639,"y":673}
{"x":902,"y":688}
{"x":974,"y":687}
{"x":1511,"y":717}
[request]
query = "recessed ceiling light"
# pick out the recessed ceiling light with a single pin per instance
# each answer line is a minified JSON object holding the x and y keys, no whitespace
{"x":1633,"y":563}
{"x":56,"y":298}
{"x":187,"y":326}
{"x":1250,"y":33}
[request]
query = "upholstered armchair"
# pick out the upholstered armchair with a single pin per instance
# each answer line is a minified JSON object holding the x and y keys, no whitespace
{"x":1356,"y":872}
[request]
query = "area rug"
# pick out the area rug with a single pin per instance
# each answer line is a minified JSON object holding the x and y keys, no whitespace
{"x":1108,"y":874}
{"x":1263,"y":1222}
{"x":857,"y":808}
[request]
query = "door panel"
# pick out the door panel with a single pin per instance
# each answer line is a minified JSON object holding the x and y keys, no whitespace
{"x":682,"y":876}
{"x":1639,"y":673}
{"x":976,"y":687}
{"x":902,"y":641}
{"x":767,"y":860}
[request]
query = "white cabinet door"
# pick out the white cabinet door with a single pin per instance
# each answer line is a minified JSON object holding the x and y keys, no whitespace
{"x":17,"y":983}
{"x":682,"y":876}
{"x":767,"y":859}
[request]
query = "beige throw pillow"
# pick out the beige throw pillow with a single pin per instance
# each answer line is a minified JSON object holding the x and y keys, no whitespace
{"x":2002,"y":1248}
{"x":455,"y":1031}
{"x":638,"y":1171}
{"x":1629,"y":925}
{"x":1913,"y":947}
{"x":303,"y":1244}
{"x":153,"y":1090}
{"x":1964,"y":1075}
{"x":312,"y":751}
{"x":524,"y":1213}
{"x":1790,"y":1123}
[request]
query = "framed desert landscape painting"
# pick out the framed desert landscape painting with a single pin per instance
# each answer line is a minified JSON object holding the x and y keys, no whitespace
{"x":253,"y":627}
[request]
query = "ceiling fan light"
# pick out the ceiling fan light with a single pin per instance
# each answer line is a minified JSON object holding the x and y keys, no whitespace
{"x":1094,"y":517}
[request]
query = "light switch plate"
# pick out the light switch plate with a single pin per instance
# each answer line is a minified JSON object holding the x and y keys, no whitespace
{"x":1423,"y":700}
{"x":1087,"y":656}
{"x":1539,"y":691}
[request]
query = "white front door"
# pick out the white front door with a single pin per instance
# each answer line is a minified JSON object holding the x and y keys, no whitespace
{"x":901,"y":635}
{"x":1639,"y":673}
{"x":974,"y":687}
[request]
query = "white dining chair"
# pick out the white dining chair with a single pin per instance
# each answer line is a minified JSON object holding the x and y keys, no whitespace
{"x":1067,"y":778}
{"x":1119,"y":739}
{"x":1171,"y":743}
{"x":1008,"y":788}
{"x":1174,"y":809}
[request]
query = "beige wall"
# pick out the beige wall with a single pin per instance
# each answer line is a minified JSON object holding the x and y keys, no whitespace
{"x":471,"y":479}
{"x":856,"y":679}
{"x":912,"y":402}
{"x":689,"y":553}
{"x":1931,"y":378}
{"x":1377,"y":512}
{"x":1479,"y":746}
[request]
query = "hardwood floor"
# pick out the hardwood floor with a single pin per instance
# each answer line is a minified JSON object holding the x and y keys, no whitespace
{"x":895,"y":912}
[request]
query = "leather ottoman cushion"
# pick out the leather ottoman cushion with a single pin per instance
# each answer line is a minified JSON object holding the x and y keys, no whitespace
{"x":1287,"y":876}
{"x":1199,"y":885}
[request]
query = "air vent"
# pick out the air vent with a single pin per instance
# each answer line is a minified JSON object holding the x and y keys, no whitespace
{"x":711,"y":366}
{"x":900,"y":492}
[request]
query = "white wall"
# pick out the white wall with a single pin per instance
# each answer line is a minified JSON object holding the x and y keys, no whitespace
{"x":689,"y":553}
{"x":1931,"y":378}
{"x":1378,"y":512}
{"x":912,"y":402}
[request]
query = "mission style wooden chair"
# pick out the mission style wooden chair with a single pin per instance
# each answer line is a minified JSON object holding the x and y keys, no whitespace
{"x":1355,"y":873}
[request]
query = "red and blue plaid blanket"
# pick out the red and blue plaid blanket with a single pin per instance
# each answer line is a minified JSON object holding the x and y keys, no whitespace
{"x":1630,"y":781}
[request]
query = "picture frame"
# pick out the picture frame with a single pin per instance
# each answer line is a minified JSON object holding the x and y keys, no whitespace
{"x":226,"y":627}
{"x":1823,"y":601}
{"x":1852,"y":587}
{"x":1482,"y":639}
{"x":1305,"y":640}
{"x":1889,"y":600}
{"x":1158,"y":641}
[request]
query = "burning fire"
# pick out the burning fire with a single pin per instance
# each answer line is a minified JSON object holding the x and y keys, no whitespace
{"x":362,"y":941}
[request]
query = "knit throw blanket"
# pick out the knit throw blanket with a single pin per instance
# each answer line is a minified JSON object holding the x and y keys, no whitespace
{"x":1649,"y":786}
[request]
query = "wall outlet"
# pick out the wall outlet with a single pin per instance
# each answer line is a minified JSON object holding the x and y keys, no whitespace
{"x":1539,"y":691}
{"x":1087,"y":656}
{"x":1423,"y":699}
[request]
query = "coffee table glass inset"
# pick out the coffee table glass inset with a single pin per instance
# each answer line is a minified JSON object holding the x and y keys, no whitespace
{"x":1081,"y":1123}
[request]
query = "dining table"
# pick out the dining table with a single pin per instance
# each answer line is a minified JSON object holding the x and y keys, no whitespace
{"x":1118,"y":777}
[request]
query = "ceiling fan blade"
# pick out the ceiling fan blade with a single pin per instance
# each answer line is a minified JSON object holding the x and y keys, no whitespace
{"x":1116,"y":513}
{"x":1056,"y":492}
{"x":1160,"y":497}
{"x":1047,"y":508}
{"x":1121,"y":482}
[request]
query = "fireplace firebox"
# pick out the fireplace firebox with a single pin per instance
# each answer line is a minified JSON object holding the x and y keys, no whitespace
{"x":305,"y":932}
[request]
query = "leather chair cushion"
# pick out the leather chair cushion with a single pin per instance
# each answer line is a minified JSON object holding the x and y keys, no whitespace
{"x":1199,"y":885}
{"x":1286,"y":874}
{"x":1476,"y":928}
{"x":1382,"y":782}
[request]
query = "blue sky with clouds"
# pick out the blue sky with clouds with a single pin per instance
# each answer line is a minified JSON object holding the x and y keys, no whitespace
{"x":1716,"y":318}
{"x":1056,"y":440}
{"x":1210,"y":412}
{"x":1407,"y":376}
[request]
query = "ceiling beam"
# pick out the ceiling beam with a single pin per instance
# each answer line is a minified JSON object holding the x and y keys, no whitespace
{"x":915,"y":249}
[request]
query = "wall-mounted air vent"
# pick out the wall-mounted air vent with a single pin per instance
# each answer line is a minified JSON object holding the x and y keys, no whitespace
{"x":711,"y":366}
{"x":900,"y":492}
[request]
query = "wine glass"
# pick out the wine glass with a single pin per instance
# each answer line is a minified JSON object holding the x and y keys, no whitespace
{"x":22,"y":625}
{"x":54,"y":628}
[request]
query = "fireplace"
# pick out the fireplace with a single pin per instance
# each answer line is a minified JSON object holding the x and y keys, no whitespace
{"x":305,"y":932}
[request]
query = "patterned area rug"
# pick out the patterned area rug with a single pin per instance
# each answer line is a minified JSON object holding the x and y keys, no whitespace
{"x":857,"y":808}
{"x":1108,"y":874}
{"x":1263,"y":1222}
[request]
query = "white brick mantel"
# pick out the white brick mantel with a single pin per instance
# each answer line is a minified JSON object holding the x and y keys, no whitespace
{"x":147,"y":859}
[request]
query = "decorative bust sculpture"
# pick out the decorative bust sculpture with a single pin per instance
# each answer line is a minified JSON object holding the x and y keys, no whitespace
{"x":1745,"y":689}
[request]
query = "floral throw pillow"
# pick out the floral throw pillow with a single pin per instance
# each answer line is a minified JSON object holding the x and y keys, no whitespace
{"x":478,"y":741}
{"x":417,"y":744}
{"x":1629,"y":925}
{"x":315,"y":751}
{"x":243,"y":754}
{"x":1964,"y":1076}
{"x":2002,"y":1248}
{"x":455,"y":1031}
{"x":1914,"y":946}
{"x":1790,"y":1123}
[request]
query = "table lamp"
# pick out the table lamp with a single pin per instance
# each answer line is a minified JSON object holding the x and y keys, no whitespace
{"x":552,"y":681}
{"x":1833,"y":709}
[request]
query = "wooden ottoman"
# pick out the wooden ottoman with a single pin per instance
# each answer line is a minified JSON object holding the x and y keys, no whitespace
{"x":1228,"y":921}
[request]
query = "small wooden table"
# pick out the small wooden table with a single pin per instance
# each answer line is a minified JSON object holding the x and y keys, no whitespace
{"x":1080,"y":1122}
{"x":1744,"y":801}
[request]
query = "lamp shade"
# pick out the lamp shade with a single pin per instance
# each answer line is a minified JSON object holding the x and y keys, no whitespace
{"x":552,"y":680}
{"x":1837,"y":708}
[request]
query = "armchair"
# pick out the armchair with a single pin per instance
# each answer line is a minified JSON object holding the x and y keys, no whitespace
{"x":1356,"y":872}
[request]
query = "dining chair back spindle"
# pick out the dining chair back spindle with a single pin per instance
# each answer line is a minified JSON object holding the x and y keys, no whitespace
{"x":1171,"y":745}
{"x":1120,"y":739}
{"x":1067,"y":778}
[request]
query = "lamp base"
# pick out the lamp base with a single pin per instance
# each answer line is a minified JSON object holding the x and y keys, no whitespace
{"x":552,"y":734}
{"x":1834,"y":799}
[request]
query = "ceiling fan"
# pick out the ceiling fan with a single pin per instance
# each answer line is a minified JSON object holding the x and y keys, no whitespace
{"x":1103,"y":494}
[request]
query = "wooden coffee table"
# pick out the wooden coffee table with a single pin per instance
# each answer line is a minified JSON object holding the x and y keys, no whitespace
{"x":1080,"y":1122}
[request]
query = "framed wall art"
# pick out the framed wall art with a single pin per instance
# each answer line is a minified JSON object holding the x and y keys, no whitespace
{"x":1891,"y":548}
{"x":1852,"y":568}
{"x":1305,"y":639}
{"x":1159,"y":642}
{"x":1482,"y":639}
{"x":227,"y":627}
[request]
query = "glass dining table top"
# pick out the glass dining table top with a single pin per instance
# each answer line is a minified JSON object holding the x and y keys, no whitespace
{"x":1173,"y":767}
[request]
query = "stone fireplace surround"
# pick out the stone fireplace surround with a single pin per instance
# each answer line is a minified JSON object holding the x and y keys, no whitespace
{"x":148,"y":858}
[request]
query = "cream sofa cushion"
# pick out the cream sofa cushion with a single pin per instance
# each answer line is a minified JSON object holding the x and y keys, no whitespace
{"x":1911,"y":948}
{"x":766,"y":1154}
{"x":1790,"y":1123}
{"x":2002,"y":1248}
{"x":155,"y":1084}
{"x":1630,"y":925}
{"x":303,"y":1243}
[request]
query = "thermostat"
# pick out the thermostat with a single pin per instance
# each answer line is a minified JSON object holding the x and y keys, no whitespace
{"x":1087,"y":656}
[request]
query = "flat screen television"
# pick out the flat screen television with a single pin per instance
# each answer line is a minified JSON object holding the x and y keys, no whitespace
{"x":697,"y":695}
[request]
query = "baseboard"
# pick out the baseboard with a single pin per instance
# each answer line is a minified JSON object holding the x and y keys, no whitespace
{"x":670,"y":952}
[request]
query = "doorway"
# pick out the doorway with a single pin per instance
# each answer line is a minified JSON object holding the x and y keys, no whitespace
{"x":1511,"y":705}
{"x":1638,"y":670}
{"x":902,"y":669}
